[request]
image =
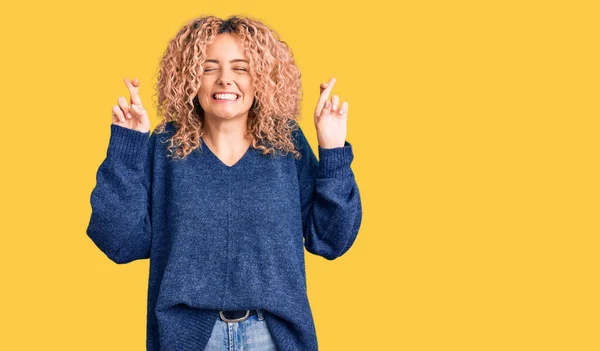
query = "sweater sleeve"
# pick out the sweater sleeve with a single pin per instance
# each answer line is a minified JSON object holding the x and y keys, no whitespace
{"x":330,"y":199}
{"x":120,"y":220}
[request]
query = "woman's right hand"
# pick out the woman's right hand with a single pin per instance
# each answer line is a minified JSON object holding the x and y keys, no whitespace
{"x":132,"y":116}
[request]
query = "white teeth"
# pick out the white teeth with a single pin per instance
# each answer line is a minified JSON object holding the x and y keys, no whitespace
{"x":225,"y":96}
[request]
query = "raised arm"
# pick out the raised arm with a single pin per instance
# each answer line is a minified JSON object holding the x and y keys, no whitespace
{"x":120,"y":223}
{"x":330,"y":199}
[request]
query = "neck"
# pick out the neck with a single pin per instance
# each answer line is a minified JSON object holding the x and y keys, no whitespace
{"x":225,"y":134}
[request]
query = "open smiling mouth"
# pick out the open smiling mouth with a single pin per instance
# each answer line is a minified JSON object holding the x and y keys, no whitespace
{"x":225,"y":97}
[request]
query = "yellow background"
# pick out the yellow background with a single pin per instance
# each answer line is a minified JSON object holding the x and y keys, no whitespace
{"x":475,"y":131}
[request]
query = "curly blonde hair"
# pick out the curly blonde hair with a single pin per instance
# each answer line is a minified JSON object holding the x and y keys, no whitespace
{"x":275,"y":111}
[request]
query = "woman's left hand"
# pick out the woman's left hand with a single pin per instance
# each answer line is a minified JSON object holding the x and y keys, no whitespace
{"x":331,"y":122}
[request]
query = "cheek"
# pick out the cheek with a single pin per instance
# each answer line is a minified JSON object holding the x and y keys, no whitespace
{"x":249,"y":90}
{"x":204,"y":92}
{"x":206,"y":86}
{"x":203,"y":98}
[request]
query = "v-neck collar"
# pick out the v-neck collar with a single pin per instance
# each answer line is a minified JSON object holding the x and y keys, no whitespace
{"x":223,"y":164}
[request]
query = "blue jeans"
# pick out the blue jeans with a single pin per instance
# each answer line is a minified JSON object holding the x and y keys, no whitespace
{"x":251,"y":334}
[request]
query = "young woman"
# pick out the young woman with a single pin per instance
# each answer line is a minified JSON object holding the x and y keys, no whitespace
{"x":226,"y":193}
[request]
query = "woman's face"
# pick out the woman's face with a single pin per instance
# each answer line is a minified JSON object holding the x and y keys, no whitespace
{"x":226,"y":69}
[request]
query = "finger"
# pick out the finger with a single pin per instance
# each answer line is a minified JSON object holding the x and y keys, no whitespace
{"x":137,"y":111}
{"x":344,"y":108}
{"x":322,"y":87}
{"x":335,"y":100}
{"x":324,"y":96}
{"x":134,"y":91}
{"x":124,"y":107}
{"x":327,"y":107}
{"x":118,"y":114}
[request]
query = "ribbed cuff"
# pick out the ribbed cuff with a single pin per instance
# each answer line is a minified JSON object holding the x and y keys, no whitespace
{"x":128,"y":144}
{"x":336,"y":161}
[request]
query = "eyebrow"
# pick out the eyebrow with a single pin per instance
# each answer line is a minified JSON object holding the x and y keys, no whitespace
{"x":232,"y":61}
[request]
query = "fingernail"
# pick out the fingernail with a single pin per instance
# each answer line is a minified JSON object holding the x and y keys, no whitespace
{"x":128,"y":115}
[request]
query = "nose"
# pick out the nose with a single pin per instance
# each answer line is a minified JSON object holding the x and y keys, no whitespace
{"x":224,"y":79}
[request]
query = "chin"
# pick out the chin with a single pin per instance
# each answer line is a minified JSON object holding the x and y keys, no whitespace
{"x":229,"y":115}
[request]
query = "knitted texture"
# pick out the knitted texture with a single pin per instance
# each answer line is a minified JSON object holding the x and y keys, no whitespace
{"x":223,"y":237}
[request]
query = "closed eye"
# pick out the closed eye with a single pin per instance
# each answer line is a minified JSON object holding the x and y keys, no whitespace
{"x":238,"y":69}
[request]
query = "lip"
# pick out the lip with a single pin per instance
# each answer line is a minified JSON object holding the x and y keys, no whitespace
{"x":225,"y":92}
